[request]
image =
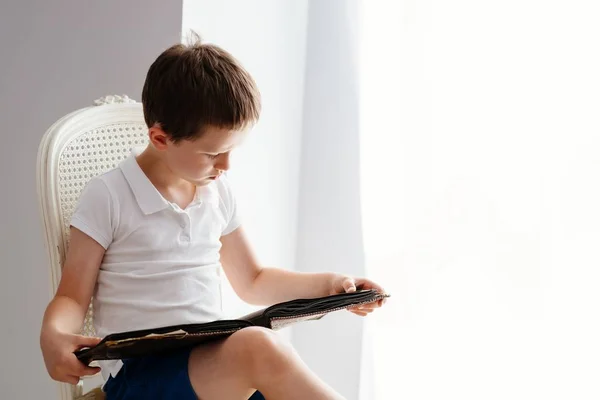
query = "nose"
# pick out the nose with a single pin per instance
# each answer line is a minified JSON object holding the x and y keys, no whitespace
{"x":222,"y":162}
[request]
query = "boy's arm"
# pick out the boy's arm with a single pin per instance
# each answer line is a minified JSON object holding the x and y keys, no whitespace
{"x":263,"y":286}
{"x":64,"y":315}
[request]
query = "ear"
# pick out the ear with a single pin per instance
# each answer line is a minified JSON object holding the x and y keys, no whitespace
{"x":159,"y":138}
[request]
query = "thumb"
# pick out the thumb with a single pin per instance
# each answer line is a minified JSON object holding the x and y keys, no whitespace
{"x":349,"y":285}
{"x":87,"y":341}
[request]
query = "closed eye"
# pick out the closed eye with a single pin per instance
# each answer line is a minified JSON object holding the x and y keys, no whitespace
{"x":212,"y":156}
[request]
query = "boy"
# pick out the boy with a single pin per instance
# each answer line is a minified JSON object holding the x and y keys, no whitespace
{"x":149,"y":238}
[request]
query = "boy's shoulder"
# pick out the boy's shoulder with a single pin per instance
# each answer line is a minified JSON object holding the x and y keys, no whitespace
{"x":107,"y":191}
{"x":112,"y":182}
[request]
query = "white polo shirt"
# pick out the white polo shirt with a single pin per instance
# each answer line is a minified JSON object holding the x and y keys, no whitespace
{"x":161,"y":265}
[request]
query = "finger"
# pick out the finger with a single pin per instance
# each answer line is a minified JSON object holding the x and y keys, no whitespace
{"x":349,"y":285}
{"x":357,"y":310}
{"x":86,"y":341}
{"x":76,"y":368}
{"x":365,"y":284}
{"x":373,"y":304}
{"x":88,"y":370}
{"x":368,"y":306}
{"x":363,"y":308}
{"x":361,"y":313}
{"x":368,"y":310}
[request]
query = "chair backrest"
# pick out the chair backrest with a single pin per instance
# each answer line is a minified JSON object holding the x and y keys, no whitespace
{"x":78,"y":147}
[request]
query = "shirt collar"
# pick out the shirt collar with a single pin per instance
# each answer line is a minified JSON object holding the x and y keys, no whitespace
{"x":149,"y":198}
{"x":207,"y":194}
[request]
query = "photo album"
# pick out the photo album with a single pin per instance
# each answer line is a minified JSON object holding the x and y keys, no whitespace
{"x":152,"y":341}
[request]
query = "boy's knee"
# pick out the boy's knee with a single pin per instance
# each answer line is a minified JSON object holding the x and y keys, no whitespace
{"x":266,"y":353}
{"x":258,"y":342}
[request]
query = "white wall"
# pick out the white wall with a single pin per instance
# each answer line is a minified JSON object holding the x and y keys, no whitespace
{"x":329,"y":226}
{"x":268,"y":37}
{"x":488,"y":237}
{"x":57,"y":56}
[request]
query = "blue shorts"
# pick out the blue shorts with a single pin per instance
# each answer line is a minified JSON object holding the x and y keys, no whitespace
{"x":155,"y":377}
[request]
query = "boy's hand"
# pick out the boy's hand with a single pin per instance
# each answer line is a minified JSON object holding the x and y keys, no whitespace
{"x":346,"y":284}
{"x":61,"y":363}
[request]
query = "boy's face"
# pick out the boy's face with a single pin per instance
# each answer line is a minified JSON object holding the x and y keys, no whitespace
{"x":199,"y":161}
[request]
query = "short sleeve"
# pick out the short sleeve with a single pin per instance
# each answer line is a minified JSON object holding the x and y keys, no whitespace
{"x":95,"y":212}
{"x":231,"y":210}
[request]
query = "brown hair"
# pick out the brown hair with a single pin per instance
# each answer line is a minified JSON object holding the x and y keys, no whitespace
{"x":190,"y":87}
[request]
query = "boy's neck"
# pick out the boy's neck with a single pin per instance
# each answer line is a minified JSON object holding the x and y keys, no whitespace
{"x":172,"y":187}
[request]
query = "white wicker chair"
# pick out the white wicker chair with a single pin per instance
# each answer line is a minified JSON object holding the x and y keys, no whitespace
{"x":76,"y":148}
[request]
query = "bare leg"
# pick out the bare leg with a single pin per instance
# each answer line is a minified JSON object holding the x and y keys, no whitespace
{"x":254,"y":358}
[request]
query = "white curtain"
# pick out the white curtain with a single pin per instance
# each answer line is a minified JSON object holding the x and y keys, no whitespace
{"x":480,"y":171}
